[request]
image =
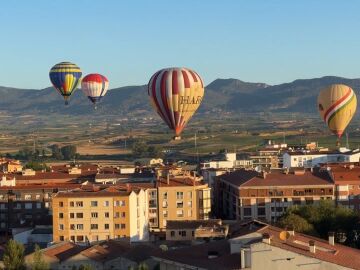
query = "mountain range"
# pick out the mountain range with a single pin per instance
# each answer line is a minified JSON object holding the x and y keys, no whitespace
{"x":230,"y":95}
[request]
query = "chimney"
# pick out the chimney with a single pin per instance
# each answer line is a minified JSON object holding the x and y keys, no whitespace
{"x":290,"y":230}
{"x":266,"y":238}
{"x":168,"y":179}
{"x":332,"y":238}
{"x":312,"y":247}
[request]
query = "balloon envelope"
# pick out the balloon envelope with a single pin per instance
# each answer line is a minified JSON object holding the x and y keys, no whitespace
{"x":176,"y":94}
{"x":94,"y":86}
{"x":337,"y":106}
{"x":65,"y":77}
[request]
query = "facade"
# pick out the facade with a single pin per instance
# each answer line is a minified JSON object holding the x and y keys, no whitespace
{"x":25,"y":206}
{"x":181,"y":198}
{"x":97,"y":215}
{"x":309,"y":159}
{"x":248,"y":194}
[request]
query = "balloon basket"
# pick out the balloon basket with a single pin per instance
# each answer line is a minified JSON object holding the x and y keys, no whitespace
{"x":66,"y":102}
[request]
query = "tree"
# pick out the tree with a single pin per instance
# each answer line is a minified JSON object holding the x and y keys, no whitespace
{"x":296,"y":222}
{"x":68,"y":151}
{"x":56,"y":153}
{"x":36,"y":166}
{"x":38,"y":261}
{"x":14,"y":256}
{"x":139,"y":149}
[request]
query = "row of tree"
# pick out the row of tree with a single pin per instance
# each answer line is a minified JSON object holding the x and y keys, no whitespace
{"x":322,"y":218}
{"x":141,"y":150}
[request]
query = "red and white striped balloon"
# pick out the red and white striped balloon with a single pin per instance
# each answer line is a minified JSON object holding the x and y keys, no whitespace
{"x":94,"y":86}
{"x":176,"y":94}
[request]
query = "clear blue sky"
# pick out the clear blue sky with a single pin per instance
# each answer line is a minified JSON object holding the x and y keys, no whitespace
{"x":258,"y":41}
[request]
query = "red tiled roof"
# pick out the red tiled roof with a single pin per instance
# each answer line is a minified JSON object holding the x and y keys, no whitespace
{"x":63,"y":251}
{"x":337,"y":254}
{"x":248,"y":178}
{"x":178,"y":181}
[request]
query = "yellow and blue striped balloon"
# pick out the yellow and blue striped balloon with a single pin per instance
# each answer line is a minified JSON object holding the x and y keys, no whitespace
{"x":65,"y":77}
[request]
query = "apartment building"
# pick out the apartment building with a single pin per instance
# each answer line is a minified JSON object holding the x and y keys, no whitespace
{"x":84,"y":216}
{"x":182,"y":198}
{"x":346,"y":178}
{"x":247,"y":194}
{"x":309,"y":159}
{"x":25,"y":206}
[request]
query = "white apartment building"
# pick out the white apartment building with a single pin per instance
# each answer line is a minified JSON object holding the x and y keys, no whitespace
{"x":309,"y":159}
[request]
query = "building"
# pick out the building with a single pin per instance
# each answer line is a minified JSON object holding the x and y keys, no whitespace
{"x":247,"y":194}
{"x":179,"y":197}
{"x":309,"y":159}
{"x":346,"y":178}
{"x":255,"y":245}
{"x":102,"y":256}
{"x":84,"y":216}
{"x":10,"y":165}
{"x":24,"y":206}
{"x":191,"y":230}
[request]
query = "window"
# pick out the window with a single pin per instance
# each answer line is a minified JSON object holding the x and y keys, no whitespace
{"x":2,"y":196}
{"x":72,"y":238}
{"x":61,"y":238}
{"x":165,"y":196}
{"x":80,"y":238}
{"x":61,"y":227}
{"x":72,"y":215}
{"x":94,"y":203}
{"x":190,"y":203}
{"x":164,"y":204}
{"x":179,"y":195}
{"x":165,"y":213}
{"x":179,"y":204}
{"x":172,"y":233}
{"x":107,"y":215}
{"x":116,"y":214}
{"x":106,"y":203}
{"x":247,"y":211}
{"x":18,"y":206}
{"x":38,"y":205}
{"x":79,"y":215}
{"x":28,"y":205}
{"x":72,"y":204}
{"x":79,"y":226}
{"x":123,"y":214}
{"x":261,"y":211}
{"x":123,"y":226}
{"x":79,"y":204}
{"x":61,"y":215}
{"x":179,"y":213}
{"x":37,"y":196}
{"x":47,"y":204}
{"x":27,"y":197}
{"x":94,"y":215}
{"x":72,"y":226}
{"x":106,"y":226}
{"x":94,"y":226}
{"x":117,"y":226}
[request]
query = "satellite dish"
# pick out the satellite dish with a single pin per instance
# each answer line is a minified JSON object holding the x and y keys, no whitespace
{"x":284,"y":235}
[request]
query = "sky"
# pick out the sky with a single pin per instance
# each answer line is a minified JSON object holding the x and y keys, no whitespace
{"x":127,"y":41}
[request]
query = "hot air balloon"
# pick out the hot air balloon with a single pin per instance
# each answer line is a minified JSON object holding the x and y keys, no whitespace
{"x":65,"y":77}
{"x":94,"y":86}
{"x":337,"y":106}
{"x":176,"y":94}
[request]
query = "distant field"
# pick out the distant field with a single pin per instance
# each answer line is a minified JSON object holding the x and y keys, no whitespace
{"x":108,"y":138}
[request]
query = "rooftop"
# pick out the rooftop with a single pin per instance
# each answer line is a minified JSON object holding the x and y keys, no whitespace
{"x":251,"y":178}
